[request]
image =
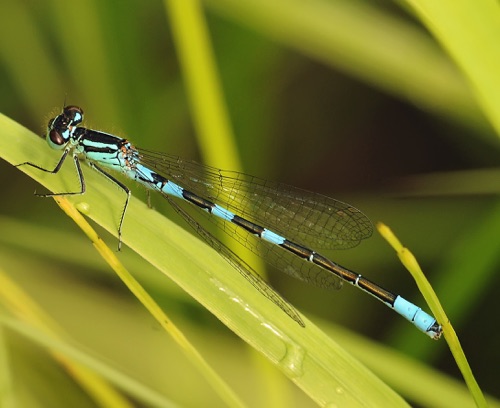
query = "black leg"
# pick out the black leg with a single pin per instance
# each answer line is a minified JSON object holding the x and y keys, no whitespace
{"x":124,"y":188}
{"x":56,"y":170}
{"x":81,"y":179}
{"x":83,"y":186}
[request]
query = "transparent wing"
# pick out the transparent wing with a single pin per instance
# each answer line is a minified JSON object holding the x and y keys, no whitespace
{"x":241,"y":266}
{"x":302,"y":216}
{"x":278,"y":257}
{"x":282,"y":259}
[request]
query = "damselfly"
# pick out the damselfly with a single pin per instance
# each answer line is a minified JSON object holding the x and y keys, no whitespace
{"x":274,"y":220}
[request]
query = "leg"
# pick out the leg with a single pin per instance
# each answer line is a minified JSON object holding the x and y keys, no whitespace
{"x":80,"y":178}
{"x":56,"y":170}
{"x":124,"y":188}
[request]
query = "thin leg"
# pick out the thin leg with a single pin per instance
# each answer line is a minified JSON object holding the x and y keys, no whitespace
{"x":124,"y":188}
{"x":56,"y":170}
{"x":81,"y":179}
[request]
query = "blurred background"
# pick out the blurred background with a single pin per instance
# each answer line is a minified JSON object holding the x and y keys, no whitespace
{"x":369,"y":110}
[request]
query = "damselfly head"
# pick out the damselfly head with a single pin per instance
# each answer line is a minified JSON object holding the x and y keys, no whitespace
{"x":60,"y":128}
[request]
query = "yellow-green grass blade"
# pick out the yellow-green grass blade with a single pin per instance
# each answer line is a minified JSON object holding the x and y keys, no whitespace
{"x":311,"y":359}
{"x":469,"y":31}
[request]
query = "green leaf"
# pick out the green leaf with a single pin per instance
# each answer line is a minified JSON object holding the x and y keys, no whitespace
{"x":326,"y":372}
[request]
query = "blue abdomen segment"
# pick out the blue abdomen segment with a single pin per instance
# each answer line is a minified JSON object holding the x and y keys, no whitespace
{"x":172,"y":189}
{"x":417,"y":316}
{"x":144,"y":175}
{"x":221,"y":212}
{"x":151,"y":179}
{"x":272,"y":237}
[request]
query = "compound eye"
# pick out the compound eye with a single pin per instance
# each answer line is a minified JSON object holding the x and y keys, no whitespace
{"x":56,"y":139}
{"x":74,"y":114}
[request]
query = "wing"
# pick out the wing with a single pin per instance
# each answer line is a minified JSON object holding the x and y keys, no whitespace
{"x":241,"y":266}
{"x":302,"y":216}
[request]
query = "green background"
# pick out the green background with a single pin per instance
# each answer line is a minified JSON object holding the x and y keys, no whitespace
{"x":355,"y":100}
